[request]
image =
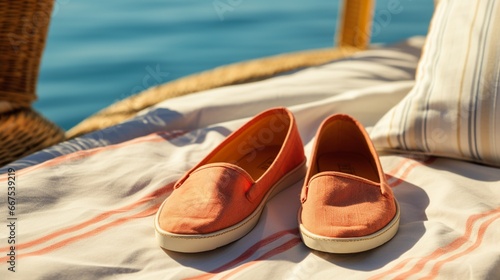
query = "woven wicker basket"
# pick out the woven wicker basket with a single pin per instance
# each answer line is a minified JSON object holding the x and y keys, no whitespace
{"x":25,"y":131}
{"x":23,"y":31}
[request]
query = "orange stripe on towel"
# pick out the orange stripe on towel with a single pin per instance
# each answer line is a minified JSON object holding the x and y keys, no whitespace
{"x":154,"y":137}
{"x":480,"y":236}
{"x":148,"y":212}
{"x":410,"y":168}
{"x":399,"y":166}
{"x":278,"y":250}
{"x":95,"y":220}
{"x":247,"y":254}
{"x":454,"y":245}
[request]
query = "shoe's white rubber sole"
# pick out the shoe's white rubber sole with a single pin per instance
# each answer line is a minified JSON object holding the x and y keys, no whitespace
{"x":193,"y":243}
{"x":351,"y":244}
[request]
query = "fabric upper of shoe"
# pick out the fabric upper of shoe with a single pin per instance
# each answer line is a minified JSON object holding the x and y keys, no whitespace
{"x":345,"y":192}
{"x":342,"y":205}
{"x":229,"y":183}
{"x":207,"y":200}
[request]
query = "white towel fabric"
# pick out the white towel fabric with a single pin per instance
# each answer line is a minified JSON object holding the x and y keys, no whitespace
{"x":85,"y":208}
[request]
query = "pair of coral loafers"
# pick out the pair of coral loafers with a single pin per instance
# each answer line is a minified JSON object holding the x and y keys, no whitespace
{"x":347,"y":205}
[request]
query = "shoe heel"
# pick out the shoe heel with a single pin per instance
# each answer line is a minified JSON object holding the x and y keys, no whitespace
{"x":289,"y":179}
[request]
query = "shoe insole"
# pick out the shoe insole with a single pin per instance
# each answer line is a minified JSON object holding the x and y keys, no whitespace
{"x":258,"y":160}
{"x":351,"y":163}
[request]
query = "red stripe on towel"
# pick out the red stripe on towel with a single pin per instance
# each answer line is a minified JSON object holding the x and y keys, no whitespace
{"x":398,"y":167}
{"x":410,"y":168}
{"x":454,"y":245}
{"x":153,"y":195}
{"x":148,"y":212}
{"x":154,"y":137}
{"x":480,"y":236}
{"x":278,"y":250}
{"x":247,"y":254}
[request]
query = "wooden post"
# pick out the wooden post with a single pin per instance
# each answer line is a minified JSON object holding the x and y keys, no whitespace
{"x":23,"y":31}
{"x":355,"y":23}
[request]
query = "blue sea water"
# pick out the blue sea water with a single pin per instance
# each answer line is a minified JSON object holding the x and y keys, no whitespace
{"x":99,"y":52}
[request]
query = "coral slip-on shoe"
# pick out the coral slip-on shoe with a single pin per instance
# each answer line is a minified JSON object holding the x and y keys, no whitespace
{"x":347,"y":205}
{"x":220,"y":199}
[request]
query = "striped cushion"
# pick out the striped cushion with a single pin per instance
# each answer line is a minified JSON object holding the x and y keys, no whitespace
{"x":454,"y":108}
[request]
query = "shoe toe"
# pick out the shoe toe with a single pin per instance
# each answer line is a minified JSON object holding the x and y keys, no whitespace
{"x":342,"y":207}
{"x":206,"y":202}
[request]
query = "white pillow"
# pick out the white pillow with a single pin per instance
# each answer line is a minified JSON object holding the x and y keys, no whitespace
{"x":454,"y":108}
